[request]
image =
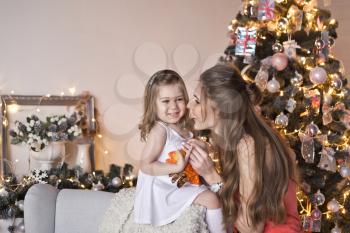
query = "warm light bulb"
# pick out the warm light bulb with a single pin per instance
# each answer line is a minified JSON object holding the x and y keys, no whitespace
{"x":106,"y":152}
{"x":38,"y":109}
{"x":99,"y":135}
{"x":48,"y":95}
{"x":13,"y":108}
{"x":62,"y":93}
{"x":72,"y":90}
{"x":12,"y":92}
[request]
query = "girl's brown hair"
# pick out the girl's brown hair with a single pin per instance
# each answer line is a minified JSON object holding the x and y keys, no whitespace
{"x":160,"y":78}
{"x":234,"y":100}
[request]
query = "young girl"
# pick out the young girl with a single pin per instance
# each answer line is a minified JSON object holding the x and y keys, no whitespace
{"x":158,"y":200}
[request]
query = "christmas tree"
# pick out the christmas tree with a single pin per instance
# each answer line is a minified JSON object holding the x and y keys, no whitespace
{"x":285,"y":47}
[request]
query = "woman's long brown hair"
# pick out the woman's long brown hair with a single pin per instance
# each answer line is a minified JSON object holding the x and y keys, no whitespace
{"x":234,"y":100}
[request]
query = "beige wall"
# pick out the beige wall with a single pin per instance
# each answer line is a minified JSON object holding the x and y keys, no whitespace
{"x":109,"y":47}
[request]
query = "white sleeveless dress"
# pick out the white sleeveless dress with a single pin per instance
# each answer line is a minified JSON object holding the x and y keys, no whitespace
{"x":158,"y":201}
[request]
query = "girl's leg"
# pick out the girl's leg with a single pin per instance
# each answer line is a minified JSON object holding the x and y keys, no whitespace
{"x":214,"y":216}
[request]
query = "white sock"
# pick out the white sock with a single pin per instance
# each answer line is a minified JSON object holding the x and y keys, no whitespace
{"x":214,"y":219}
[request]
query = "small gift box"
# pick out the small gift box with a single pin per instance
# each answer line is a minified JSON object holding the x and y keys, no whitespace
{"x":266,"y":9}
{"x":246,"y":41}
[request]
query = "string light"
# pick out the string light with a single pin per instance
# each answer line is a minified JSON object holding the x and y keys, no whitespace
{"x":72,"y":90}
{"x":13,"y":108}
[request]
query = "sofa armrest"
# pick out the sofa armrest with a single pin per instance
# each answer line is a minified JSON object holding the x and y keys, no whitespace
{"x":80,"y":211}
{"x":40,"y":209}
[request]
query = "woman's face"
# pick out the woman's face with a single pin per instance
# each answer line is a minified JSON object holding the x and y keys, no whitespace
{"x":202,"y":113}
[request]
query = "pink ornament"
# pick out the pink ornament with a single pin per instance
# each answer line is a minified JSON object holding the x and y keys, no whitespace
{"x":316,"y":214}
{"x":279,"y":61}
{"x":318,"y":75}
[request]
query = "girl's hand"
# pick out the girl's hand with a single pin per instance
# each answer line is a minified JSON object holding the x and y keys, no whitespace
{"x":182,"y":160}
{"x":201,"y":162}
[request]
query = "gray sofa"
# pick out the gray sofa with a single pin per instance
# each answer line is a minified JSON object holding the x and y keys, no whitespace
{"x":49,"y":210}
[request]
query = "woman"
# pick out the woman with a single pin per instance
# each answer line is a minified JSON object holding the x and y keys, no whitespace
{"x":258,"y":178}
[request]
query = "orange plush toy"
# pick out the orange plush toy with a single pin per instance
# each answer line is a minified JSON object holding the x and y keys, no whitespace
{"x":187,"y":175}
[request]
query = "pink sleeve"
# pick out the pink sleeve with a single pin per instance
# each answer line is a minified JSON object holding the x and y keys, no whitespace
{"x":292,"y":224}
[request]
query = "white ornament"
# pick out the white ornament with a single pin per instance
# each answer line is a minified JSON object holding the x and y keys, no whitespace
{"x":344,"y":171}
{"x":98,"y":187}
{"x":116,"y":182}
{"x":20,"y":204}
{"x":273,"y":85}
{"x":38,"y":176}
{"x":291,"y":104}
{"x":333,"y":205}
{"x":290,"y":47}
{"x":3,"y":192}
{"x":281,"y":120}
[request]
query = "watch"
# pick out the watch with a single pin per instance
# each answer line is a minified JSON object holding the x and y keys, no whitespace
{"x":216,"y":187}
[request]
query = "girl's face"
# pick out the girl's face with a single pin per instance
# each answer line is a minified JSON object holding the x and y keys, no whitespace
{"x":203,"y":116}
{"x":170,"y":103}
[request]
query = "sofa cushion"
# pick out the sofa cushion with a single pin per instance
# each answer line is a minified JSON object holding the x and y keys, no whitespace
{"x":39,"y":209}
{"x":80,"y":211}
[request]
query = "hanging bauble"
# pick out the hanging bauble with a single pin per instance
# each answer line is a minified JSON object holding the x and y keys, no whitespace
{"x":20,"y":204}
{"x":20,"y":227}
{"x":291,"y":104}
{"x":318,"y":75}
{"x":116,"y":182}
{"x":331,"y":42}
{"x":319,"y":44}
{"x":316,"y":214}
{"x":319,"y":198}
{"x":98,"y":187}
{"x":262,"y":78}
{"x":333,"y":205}
{"x":273,"y":85}
{"x":297,"y":80}
{"x":327,"y":160}
{"x":281,"y":120}
{"x":336,"y":229}
{"x":11,"y":212}
{"x":336,"y":82}
{"x":277,"y":47}
{"x":344,"y":171}
{"x":279,"y":61}
{"x":311,"y":130}
{"x":282,"y":25}
{"x":3,"y":192}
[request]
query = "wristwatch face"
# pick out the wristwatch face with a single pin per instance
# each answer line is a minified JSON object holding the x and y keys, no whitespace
{"x":215,"y":187}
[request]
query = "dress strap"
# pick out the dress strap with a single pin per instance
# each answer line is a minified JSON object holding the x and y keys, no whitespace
{"x":164,"y":125}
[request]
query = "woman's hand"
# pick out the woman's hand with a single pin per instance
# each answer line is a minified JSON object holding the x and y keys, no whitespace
{"x":201,"y":162}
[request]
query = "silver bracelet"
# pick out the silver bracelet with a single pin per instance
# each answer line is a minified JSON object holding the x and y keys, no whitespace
{"x":216,"y":187}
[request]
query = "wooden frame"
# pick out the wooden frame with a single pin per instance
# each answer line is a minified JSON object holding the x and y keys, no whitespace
{"x":49,"y":102}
